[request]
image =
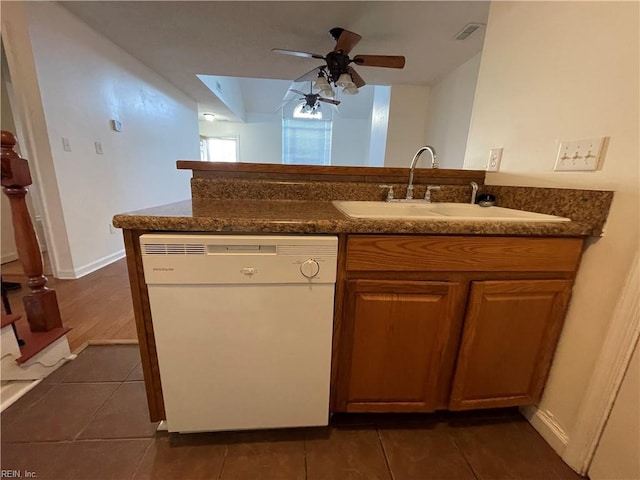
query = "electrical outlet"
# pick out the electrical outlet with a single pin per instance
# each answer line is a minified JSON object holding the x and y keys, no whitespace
{"x":579,"y":155}
{"x":495,"y":157}
{"x":66,"y":145}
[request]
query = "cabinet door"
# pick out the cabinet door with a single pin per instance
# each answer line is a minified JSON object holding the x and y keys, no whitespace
{"x":510,"y":333}
{"x":396,"y":352}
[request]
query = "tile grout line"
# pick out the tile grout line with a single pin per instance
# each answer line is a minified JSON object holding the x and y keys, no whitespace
{"x":95,"y":414}
{"x":45,"y":442}
{"x":55,"y":384}
{"x":473,"y":472}
{"x":142,"y":457}
{"x":384,"y":454}
{"x":131,"y":371}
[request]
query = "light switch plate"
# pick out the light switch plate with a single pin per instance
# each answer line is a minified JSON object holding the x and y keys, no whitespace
{"x":495,"y":157}
{"x":116,"y":125}
{"x":579,"y":155}
{"x":98,"y":148}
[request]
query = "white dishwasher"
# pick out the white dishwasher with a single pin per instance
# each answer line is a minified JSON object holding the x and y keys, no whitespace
{"x":243,"y":328}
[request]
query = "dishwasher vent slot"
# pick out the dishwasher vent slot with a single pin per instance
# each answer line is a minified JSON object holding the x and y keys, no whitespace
{"x":308,"y":250}
{"x":173,"y":249}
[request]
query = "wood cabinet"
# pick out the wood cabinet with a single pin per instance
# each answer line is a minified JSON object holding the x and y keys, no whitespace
{"x":435,"y":322}
{"x":397,"y":332}
{"x":510,"y":332}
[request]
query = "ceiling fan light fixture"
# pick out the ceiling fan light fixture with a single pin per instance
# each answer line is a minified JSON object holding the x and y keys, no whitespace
{"x":345,"y":81}
{"x":350,"y":90}
{"x":321,"y":83}
{"x":327,"y":92}
{"x":209,"y":117}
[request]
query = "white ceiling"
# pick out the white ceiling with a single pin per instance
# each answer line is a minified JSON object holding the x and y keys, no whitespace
{"x":180,"y":39}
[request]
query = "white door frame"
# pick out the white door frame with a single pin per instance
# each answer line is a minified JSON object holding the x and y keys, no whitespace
{"x":607,"y":377}
{"x":26,"y":125}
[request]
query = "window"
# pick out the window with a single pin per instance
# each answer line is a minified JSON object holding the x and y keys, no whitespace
{"x":306,"y":137}
{"x":219,"y":149}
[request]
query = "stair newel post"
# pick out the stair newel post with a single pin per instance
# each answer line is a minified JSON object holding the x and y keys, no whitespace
{"x":41,"y":304}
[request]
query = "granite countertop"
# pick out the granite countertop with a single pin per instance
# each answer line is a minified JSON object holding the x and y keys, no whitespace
{"x":307,"y":216}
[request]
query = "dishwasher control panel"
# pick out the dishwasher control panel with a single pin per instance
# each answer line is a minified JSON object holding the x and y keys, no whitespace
{"x":238,"y":259}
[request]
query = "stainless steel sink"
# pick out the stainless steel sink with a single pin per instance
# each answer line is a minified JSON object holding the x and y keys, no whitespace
{"x":439,"y":211}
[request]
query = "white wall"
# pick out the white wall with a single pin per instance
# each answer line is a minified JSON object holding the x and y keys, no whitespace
{"x":618,"y":453}
{"x":449,"y":115}
{"x":379,"y":119}
{"x":350,"y":141}
{"x":553,"y":71}
{"x":260,"y":138}
{"x":407,"y":124}
{"x":228,"y":90}
{"x":84,"y":82}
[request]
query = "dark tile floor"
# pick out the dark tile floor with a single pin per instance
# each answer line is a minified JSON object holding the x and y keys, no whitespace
{"x":89,"y":421}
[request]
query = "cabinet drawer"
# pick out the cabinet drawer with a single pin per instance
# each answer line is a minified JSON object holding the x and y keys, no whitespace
{"x":398,"y":253}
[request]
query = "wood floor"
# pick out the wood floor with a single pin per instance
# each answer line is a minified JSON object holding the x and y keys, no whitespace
{"x":97,"y":306}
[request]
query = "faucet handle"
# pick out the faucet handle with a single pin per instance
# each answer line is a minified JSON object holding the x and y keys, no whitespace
{"x":427,"y":193}
{"x":389,"y":192}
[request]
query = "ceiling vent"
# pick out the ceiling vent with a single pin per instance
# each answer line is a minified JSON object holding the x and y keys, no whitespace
{"x":468,"y":30}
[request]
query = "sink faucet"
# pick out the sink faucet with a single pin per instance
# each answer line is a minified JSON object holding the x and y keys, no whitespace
{"x":434,"y":164}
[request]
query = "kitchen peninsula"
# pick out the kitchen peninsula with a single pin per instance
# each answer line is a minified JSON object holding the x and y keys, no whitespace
{"x":428,"y":314}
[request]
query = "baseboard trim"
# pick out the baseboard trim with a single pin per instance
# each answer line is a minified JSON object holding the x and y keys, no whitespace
{"x":547,"y":426}
{"x":66,"y":275}
{"x":109,"y":341}
{"x":9,"y":257}
{"x":90,"y":267}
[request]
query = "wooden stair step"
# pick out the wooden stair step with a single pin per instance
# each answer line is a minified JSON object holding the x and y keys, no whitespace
{"x":35,"y":342}
{"x":8,"y":319}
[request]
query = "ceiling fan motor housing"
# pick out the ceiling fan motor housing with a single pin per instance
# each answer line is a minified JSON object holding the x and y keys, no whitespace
{"x":311,"y":99}
{"x":337,"y":62}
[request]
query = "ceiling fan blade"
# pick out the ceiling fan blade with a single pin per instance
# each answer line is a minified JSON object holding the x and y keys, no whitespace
{"x":389,"y":61}
{"x":295,"y":53}
{"x":296,"y":91}
{"x":329,"y":100}
{"x":309,"y":76}
{"x":357,"y":79}
{"x":346,"y":41}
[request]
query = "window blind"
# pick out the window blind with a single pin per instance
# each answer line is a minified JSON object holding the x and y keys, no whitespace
{"x":306,"y":141}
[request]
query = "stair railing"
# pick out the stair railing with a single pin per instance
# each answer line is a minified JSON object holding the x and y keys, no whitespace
{"x":41,"y":304}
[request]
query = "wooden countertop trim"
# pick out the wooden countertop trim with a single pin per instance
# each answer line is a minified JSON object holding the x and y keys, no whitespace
{"x":362,"y":174}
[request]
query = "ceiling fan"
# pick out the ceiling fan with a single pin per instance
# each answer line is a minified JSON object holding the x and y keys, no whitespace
{"x":338,"y":70}
{"x":311,"y":99}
